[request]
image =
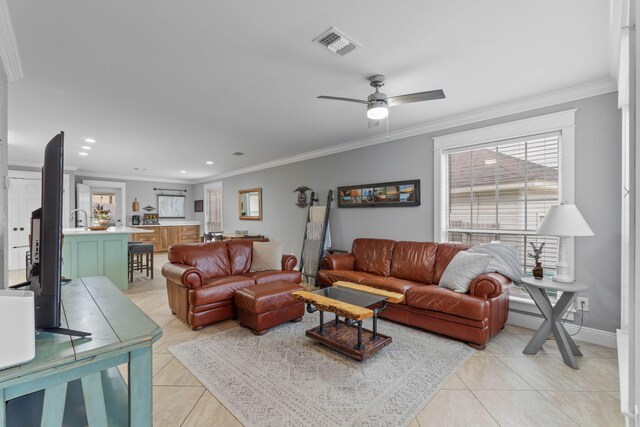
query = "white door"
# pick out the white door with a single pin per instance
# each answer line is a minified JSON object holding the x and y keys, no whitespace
{"x":83,"y":201}
{"x":24,"y":198}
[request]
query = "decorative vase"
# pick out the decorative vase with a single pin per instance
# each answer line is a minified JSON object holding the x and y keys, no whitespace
{"x":135,"y":206}
{"x":538,"y":271}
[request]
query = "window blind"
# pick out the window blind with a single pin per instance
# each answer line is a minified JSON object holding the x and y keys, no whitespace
{"x":501,"y":191}
{"x":213,"y":199}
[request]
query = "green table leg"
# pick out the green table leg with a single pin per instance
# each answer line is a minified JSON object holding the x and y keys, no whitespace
{"x":94,"y":399}
{"x":140,"y":388}
{"x":53,"y":407}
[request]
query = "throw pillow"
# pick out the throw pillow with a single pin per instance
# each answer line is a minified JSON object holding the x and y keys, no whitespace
{"x":463,"y":268}
{"x":266,"y":256}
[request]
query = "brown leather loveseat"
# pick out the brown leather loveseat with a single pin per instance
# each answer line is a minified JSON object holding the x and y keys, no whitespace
{"x":414,"y":269}
{"x":202,"y":278}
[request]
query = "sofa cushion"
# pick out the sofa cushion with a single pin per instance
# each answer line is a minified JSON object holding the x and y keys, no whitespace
{"x":210,"y":258}
{"x":390,"y":284}
{"x":373,"y":255}
{"x":332,"y":276}
{"x":219,"y":289}
{"x":239,"y":255}
{"x":414,"y":261}
{"x":266,"y":256}
{"x":463,"y":268}
{"x":443,"y":300}
{"x":444,"y":255}
{"x":273,"y":275}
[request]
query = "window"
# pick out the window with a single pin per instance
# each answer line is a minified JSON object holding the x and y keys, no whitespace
{"x":497,"y":183}
{"x":213,"y":211}
{"x":502,"y":192}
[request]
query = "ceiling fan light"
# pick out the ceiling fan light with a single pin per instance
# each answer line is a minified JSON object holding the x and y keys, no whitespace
{"x":377,"y":110}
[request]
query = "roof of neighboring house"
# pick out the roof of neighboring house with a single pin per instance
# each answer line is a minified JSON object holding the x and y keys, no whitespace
{"x":512,"y":169}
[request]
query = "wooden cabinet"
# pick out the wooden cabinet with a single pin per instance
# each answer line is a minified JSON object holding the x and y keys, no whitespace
{"x":164,"y":236}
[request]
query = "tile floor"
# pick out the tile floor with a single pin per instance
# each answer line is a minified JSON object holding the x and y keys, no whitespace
{"x":496,"y":387}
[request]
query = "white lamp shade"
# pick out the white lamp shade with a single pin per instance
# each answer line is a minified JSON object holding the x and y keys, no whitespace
{"x":565,"y":221}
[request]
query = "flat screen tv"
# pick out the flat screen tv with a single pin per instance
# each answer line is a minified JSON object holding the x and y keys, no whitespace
{"x":45,"y":268}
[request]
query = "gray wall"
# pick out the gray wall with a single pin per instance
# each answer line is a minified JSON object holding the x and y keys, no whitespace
{"x":597,"y":194}
{"x":143,"y":190}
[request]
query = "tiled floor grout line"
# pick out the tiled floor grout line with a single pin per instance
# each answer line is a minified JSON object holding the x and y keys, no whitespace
{"x":475,"y":396}
{"x":194,"y":406}
{"x":519,"y":376}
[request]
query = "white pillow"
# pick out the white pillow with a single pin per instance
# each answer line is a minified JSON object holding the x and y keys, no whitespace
{"x":463,"y":268}
{"x":266,"y":256}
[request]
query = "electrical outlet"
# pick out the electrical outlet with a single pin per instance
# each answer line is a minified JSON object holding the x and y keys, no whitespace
{"x":582,"y":303}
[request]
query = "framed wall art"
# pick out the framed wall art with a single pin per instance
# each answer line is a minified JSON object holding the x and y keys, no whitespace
{"x":384,"y":194}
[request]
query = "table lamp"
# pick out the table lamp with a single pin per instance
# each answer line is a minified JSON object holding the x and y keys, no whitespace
{"x":564,"y":221}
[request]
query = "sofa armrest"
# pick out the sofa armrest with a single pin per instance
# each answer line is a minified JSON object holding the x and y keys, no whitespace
{"x":338,"y":262}
{"x":289,"y":262}
{"x":489,"y":285}
{"x":183,"y":274}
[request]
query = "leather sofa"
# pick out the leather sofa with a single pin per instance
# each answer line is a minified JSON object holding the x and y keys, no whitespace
{"x":414,"y":269}
{"x":202,"y":279}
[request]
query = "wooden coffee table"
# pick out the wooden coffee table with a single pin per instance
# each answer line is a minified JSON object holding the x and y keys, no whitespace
{"x":350,"y":301}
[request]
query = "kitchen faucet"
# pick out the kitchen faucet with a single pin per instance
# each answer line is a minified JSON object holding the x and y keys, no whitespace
{"x":86,"y":217}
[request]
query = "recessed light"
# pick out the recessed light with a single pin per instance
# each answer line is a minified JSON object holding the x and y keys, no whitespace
{"x":237,"y":153}
{"x":209,"y":162}
{"x":86,"y":147}
{"x":82,"y":153}
{"x":89,"y":140}
{"x":183,"y":171}
{"x":140,"y":169}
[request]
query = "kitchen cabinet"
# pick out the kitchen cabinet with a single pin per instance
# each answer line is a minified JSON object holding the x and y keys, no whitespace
{"x":164,"y":236}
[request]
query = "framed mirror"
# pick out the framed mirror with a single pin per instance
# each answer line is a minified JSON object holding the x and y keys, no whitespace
{"x":250,"y":204}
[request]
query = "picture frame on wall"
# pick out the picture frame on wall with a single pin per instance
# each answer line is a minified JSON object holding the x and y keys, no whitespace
{"x":383,"y":194}
{"x":198,"y":205}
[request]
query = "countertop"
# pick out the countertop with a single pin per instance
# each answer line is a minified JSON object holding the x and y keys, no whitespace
{"x":111,"y":230}
{"x":170,"y":224}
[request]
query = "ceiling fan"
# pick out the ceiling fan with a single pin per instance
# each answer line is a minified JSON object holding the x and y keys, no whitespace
{"x":378,"y":103}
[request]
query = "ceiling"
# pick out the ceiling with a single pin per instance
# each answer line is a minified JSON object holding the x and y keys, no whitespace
{"x":166,"y":85}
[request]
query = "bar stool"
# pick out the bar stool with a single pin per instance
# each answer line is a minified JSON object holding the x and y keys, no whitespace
{"x":136,"y":263}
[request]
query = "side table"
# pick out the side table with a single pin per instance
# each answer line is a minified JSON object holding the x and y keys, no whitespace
{"x":553,"y":316}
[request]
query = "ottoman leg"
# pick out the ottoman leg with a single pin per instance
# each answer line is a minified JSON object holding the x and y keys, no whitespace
{"x":259,"y":332}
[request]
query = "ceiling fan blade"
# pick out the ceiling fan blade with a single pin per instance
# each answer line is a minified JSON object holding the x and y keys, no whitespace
{"x":337,"y":98}
{"x":373,"y":123}
{"x":415,"y":97}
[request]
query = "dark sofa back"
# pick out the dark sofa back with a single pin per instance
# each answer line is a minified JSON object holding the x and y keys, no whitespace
{"x":210,"y":258}
{"x":414,"y":261}
{"x":373,"y":255}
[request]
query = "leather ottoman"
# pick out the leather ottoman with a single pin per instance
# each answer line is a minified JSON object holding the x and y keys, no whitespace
{"x":266,"y":305}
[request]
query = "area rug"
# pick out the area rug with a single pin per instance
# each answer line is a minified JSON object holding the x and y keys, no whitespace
{"x":284,"y":378}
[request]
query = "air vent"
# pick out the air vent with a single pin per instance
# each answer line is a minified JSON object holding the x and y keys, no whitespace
{"x":336,"y":41}
{"x":237,"y":153}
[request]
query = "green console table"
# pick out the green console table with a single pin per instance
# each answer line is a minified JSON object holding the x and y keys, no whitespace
{"x":63,"y":367}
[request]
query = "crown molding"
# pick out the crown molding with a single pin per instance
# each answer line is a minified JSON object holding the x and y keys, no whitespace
{"x":9,"y":54}
{"x":67,"y":168}
{"x":587,"y":90}
{"x":119,"y":177}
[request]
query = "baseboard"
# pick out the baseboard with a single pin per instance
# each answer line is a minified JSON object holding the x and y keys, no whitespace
{"x":590,"y":335}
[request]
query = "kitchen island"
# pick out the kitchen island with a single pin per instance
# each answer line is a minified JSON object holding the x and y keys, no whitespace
{"x":87,"y":253}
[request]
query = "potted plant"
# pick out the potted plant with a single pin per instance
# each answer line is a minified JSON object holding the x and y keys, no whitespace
{"x":536,"y":254}
{"x":102,"y":215}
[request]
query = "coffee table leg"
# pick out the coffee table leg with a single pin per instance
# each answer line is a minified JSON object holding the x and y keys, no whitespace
{"x":337,"y":321}
{"x":321,"y":329}
{"x":360,"y":346}
{"x":374,"y":336}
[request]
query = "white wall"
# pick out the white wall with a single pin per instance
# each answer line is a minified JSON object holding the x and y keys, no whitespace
{"x":4,"y":194}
